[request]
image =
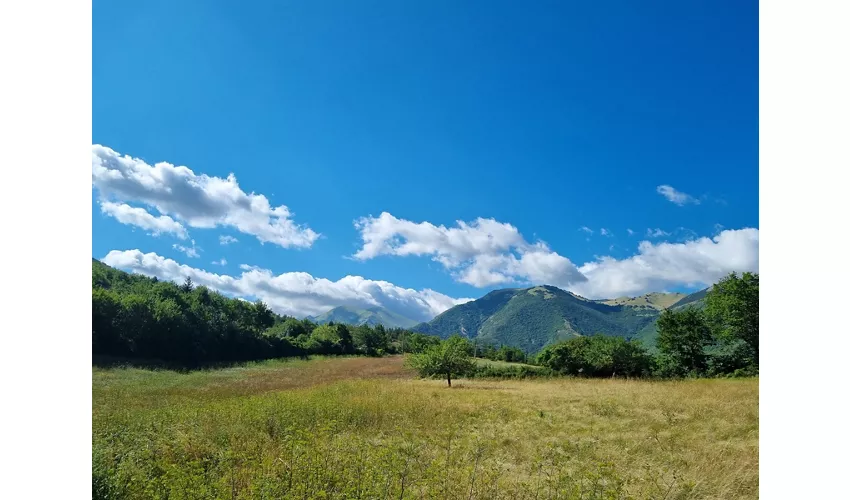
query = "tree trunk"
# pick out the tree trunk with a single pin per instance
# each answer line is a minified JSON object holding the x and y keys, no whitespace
{"x":449,"y":378}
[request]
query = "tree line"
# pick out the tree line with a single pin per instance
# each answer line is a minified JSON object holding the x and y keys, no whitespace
{"x":136,"y":317}
{"x":141,"y":318}
{"x":721,"y":338}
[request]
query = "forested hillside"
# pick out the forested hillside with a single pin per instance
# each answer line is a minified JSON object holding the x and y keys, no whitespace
{"x":531,"y":318}
{"x":141,"y":318}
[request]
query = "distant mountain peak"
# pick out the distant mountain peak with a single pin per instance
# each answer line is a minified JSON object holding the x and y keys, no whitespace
{"x":373,"y":316}
{"x":654,"y":300}
{"x":530,"y":318}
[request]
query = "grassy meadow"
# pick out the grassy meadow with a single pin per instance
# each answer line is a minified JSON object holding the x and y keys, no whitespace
{"x":362,"y":427}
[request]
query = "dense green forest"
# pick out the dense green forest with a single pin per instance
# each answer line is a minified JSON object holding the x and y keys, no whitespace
{"x":141,"y":318}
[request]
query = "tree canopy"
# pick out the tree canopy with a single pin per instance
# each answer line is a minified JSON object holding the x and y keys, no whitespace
{"x":732,"y":308}
{"x":451,"y":357}
{"x":597,"y":356}
{"x":135,"y":317}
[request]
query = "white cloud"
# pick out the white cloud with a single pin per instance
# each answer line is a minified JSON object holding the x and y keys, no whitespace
{"x":630,"y":232}
{"x":487,"y":253}
{"x":656,"y":233}
{"x":189,"y":251}
{"x":657,"y":267}
{"x":297,"y":294}
{"x":482,"y":253}
{"x":197,"y":200}
{"x":140,"y":217}
{"x":675,"y":196}
{"x":605,"y":232}
{"x":586,"y":229}
{"x":226,"y":240}
{"x":222,"y":262}
{"x":387,"y":235}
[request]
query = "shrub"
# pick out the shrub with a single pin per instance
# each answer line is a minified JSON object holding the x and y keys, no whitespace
{"x":596,"y":356}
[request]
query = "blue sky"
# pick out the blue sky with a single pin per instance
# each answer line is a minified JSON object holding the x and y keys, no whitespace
{"x":547,"y":118}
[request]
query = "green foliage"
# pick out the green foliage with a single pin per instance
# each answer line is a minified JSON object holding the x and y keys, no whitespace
{"x":712,"y":332}
{"x":288,"y":328}
{"x":142,"y":318}
{"x":326,"y":339}
{"x":137,"y":317}
{"x":503,"y":353}
{"x":597,"y":356}
{"x":732,"y":308}
{"x":417,"y":343}
{"x":729,"y":356}
{"x":682,"y":339}
{"x":371,"y":341}
{"x":507,"y":370}
{"x":450,"y":357}
{"x":649,"y":333}
{"x":510,"y":354}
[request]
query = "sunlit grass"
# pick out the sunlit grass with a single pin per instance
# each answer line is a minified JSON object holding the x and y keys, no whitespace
{"x":366,"y":428}
{"x":503,"y":364}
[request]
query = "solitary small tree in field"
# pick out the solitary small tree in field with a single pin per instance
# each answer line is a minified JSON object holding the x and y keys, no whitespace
{"x":450,"y":357}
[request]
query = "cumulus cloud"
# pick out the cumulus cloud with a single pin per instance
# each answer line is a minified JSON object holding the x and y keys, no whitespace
{"x":487,"y":253}
{"x":140,"y":217}
{"x":189,"y":251}
{"x":482,"y":253}
{"x":197,"y":200}
{"x":675,"y":196}
{"x":605,"y":232}
{"x":226,"y":240}
{"x":656,"y":233}
{"x":297,"y":294}
{"x":656,"y":267}
{"x":222,"y":262}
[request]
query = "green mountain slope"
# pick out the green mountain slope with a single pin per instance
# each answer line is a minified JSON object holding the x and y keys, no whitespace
{"x":695,"y":299}
{"x":467,"y":318}
{"x":649,"y":333}
{"x":530,"y":318}
{"x":655,"y":300}
{"x":373,"y":316}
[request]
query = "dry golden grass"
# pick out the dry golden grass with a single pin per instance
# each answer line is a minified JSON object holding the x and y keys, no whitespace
{"x":654,"y":300}
{"x":366,"y":428}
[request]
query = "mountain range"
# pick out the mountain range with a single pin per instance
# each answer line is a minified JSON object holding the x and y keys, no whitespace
{"x":527,"y":318}
{"x":372,"y":316}
{"x":530,"y":318}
